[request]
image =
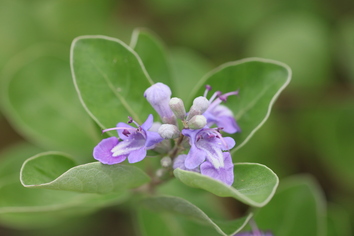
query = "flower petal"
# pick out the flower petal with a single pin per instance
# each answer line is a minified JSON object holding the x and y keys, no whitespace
{"x":102,"y":152}
{"x":194,"y":158}
{"x":120,"y":131}
{"x":148,"y":123}
{"x":137,"y":155}
{"x":224,"y":174}
{"x":152,"y":138}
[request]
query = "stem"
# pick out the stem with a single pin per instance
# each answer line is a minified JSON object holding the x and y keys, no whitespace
{"x":177,"y":147}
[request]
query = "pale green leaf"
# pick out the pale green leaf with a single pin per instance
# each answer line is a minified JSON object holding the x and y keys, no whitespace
{"x":298,"y":208}
{"x":179,"y":206}
{"x":254,"y":184}
{"x":259,"y":82}
{"x":40,"y":102}
{"x":53,"y":170}
{"x":110,"y":80}
{"x":153,"y":54}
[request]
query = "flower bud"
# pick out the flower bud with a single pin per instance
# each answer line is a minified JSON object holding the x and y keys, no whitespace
{"x":166,"y":161}
{"x":168,"y":131}
{"x":159,"y":95}
{"x":200,"y":105}
{"x":197,"y":122}
{"x":177,"y":106}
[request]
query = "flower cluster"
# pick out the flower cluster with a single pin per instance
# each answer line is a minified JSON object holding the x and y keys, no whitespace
{"x":208,"y":151}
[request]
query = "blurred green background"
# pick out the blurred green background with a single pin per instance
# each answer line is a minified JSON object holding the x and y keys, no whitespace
{"x":311,"y":129}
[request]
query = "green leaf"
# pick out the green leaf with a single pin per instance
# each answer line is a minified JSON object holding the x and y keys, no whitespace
{"x":338,"y":221}
{"x":40,"y":102}
{"x":259,"y":82}
{"x":187,"y":69}
{"x":11,"y":160}
{"x":152,"y":52}
{"x":254,"y":184}
{"x":298,"y":208}
{"x":110,"y":80}
{"x":32,"y":208}
{"x":179,"y":206}
{"x":53,"y":170}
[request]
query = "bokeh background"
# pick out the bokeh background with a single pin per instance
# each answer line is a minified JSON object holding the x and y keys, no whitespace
{"x":311,"y":129}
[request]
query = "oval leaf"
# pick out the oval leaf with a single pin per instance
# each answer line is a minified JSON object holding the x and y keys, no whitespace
{"x":176,"y":205}
{"x":152,"y":52}
{"x":301,"y":198}
{"x":53,"y":170}
{"x":259,"y":82}
{"x":254,"y":183}
{"x":40,"y":102}
{"x":110,"y":79}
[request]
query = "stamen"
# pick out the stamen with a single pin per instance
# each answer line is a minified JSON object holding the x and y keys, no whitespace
{"x":132,"y":121}
{"x":207,"y":89}
{"x":126,"y":132}
{"x":223,"y":97}
{"x":118,"y":128}
{"x":216,"y":94}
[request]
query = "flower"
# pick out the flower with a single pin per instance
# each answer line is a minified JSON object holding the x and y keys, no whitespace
{"x":159,"y":96}
{"x":224,"y":173}
{"x":179,"y":163}
{"x":219,"y":114}
{"x":206,"y":151}
{"x":133,"y":145}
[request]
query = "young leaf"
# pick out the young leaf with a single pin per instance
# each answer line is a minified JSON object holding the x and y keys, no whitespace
{"x":40,"y":102}
{"x":152,"y":52}
{"x":32,"y":208}
{"x":298,"y":208}
{"x":254,"y":184}
{"x":53,"y":170}
{"x":179,"y":206}
{"x":259,"y":82}
{"x":110,"y":79}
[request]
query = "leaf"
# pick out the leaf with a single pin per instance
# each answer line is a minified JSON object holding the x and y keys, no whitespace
{"x":254,"y":184}
{"x":32,"y":208}
{"x":179,"y":206}
{"x":259,"y":82}
{"x":110,"y":80}
{"x":53,"y":170}
{"x":338,"y":221}
{"x":11,"y":160}
{"x":187,"y":69}
{"x":40,"y":102}
{"x":35,"y":208}
{"x":298,"y":208}
{"x":152,"y":52}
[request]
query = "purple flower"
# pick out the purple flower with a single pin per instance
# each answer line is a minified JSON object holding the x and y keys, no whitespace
{"x":207,"y":147}
{"x":159,"y":96}
{"x":179,"y":163}
{"x":219,"y":114}
{"x":133,"y":144}
{"x":224,"y":174}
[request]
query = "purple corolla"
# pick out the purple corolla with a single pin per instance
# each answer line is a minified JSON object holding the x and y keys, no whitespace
{"x":133,"y":145}
{"x":159,"y":96}
{"x":219,"y":114}
{"x":206,"y":151}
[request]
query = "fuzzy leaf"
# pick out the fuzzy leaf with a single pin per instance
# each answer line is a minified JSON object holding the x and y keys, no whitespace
{"x":259,"y":82}
{"x":179,"y":206}
{"x":53,"y":170}
{"x":254,"y":184}
{"x":110,"y":79}
{"x":152,"y":52}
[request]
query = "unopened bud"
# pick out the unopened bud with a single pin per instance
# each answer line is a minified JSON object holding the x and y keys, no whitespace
{"x":197,"y":122}
{"x":177,"y":106}
{"x":200,"y":105}
{"x":168,"y":131}
{"x":166,"y":161}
